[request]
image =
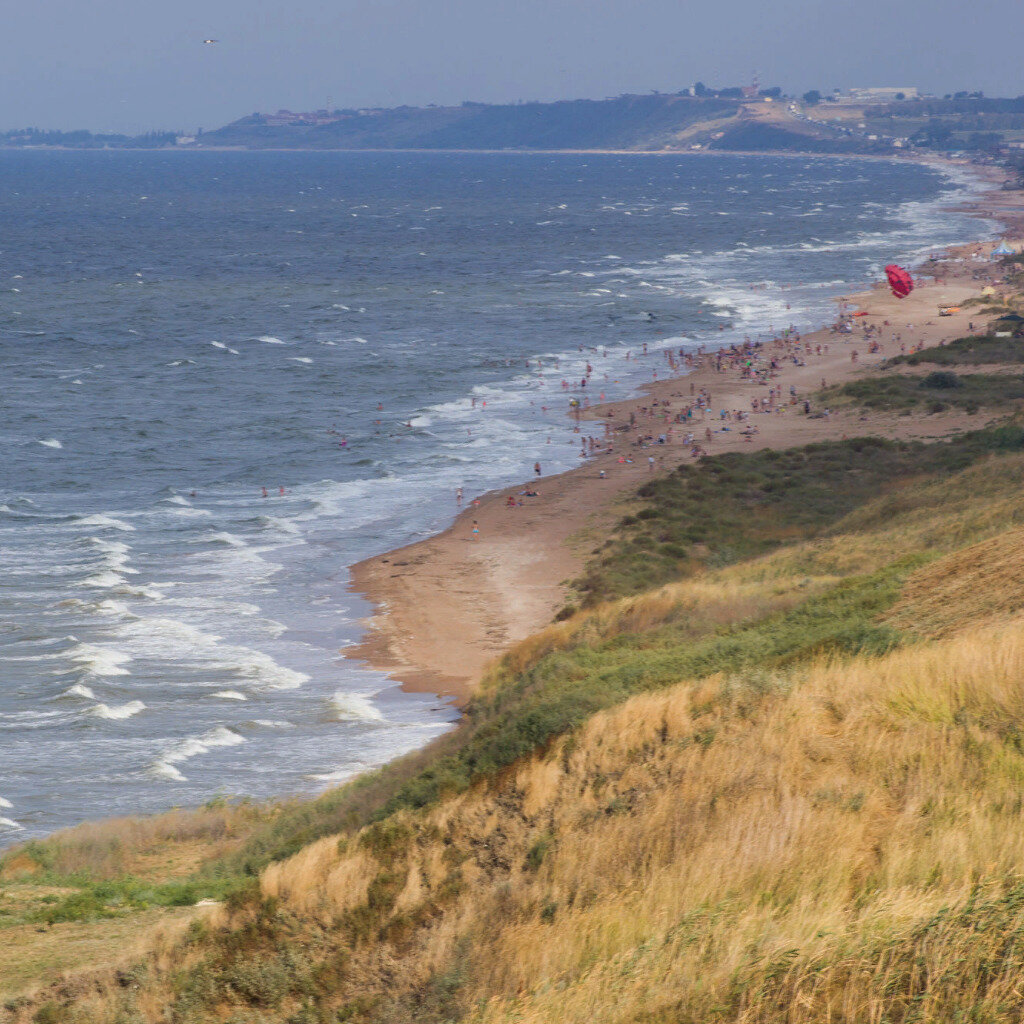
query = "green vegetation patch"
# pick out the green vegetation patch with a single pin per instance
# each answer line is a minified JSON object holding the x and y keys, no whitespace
{"x":726,"y":508}
{"x":934,"y":392}
{"x":974,"y":350}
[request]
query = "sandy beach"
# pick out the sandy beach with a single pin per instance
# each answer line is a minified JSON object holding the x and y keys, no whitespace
{"x":446,"y":606}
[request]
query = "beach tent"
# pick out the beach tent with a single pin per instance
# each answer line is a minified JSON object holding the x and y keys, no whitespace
{"x":1010,"y":325}
{"x":1003,"y":250}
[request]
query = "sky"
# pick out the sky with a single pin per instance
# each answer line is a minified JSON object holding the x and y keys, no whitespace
{"x":136,"y":65}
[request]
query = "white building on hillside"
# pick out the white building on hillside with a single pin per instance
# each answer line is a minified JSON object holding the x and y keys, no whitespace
{"x":886,"y":94}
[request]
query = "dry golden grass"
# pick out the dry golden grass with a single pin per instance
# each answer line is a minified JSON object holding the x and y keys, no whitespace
{"x":841,"y":843}
{"x":699,"y":834}
{"x":984,"y":581}
{"x":33,"y":956}
{"x":808,"y":830}
{"x":163,"y":846}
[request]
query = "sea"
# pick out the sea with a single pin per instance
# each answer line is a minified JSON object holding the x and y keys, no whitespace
{"x":228,"y":376}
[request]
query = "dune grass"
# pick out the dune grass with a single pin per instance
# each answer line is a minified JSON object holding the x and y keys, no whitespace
{"x":974,"y":350}
{"x":736,"y":506}
{"x":933,"y":393}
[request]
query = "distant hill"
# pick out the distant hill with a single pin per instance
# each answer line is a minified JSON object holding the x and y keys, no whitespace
{"x":733,"y":119}
{"x":626,"y":122}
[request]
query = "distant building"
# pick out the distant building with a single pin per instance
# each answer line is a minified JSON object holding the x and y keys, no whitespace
{"x":291,"y":119}
{"x":885,"y":94}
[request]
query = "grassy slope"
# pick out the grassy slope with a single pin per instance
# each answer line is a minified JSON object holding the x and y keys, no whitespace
{"x":932,"y":392}
{"x":970,"y":351}
{"x":758,"y":787}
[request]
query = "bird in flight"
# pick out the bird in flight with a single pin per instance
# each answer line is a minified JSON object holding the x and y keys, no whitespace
{"x":207,"y":42}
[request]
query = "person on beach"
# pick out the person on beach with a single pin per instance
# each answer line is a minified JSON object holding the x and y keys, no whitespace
{"x":475,"y":532}
{"x":458,"y":496}
{"x":536,"y":468}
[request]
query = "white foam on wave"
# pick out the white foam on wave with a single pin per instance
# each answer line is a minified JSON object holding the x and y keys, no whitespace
{"x":106,"y":578}
{"x":5,"y":803}
{"x":223,"y":537}
{"x":127,"y":589}
{"x":354,"y":707}
{"x":261,"y":668}
{"x":79,"y":690}
{"x":112,"y":547}
{"x":283,"y":525}
{"x":300,"y":359}
{"x":100,"y":661}
{"x":119,"y":713}
{"x":50,"y":442}
{"x":188,"y":511}
{"x":229,"y":695}
{"x":11,"y":824}
{"x":192,"y":746}
{"x":163,"y":637}
{"x":105,"y":522}
{"x":269,"y":339}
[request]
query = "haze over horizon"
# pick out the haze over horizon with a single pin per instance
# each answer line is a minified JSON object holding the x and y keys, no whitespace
{"x":127,"y":67}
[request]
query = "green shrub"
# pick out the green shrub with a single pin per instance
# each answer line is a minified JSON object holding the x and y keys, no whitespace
{"x":941,"y":379}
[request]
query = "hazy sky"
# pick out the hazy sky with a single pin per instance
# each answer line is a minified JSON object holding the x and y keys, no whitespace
{"x":132,"y":65}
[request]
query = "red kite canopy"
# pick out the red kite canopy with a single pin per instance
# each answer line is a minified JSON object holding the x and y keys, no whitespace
{"x":901,"y":283}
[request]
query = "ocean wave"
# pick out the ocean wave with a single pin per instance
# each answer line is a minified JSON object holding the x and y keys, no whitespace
{"x":11,"y":824}
{"x":119,"y":713}
{"x":106,"y":578}
{"x":154,"y":636}
{"x":223,"y":537}
{"x":79,"y":690}
{"x":229,"y":695}
{"x":264,"y":670}
{"x":104,"y":522}
{"x":50,"y":442}
{"x":126,"y":589}
{"x":99,"y":661}
{"x":282,"y":525}
{"x":354,"y":707}
{"x":113,"y":547}
{"x":193,"y":746}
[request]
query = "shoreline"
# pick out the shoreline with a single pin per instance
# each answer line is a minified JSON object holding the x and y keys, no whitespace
{"x":445,"y":607}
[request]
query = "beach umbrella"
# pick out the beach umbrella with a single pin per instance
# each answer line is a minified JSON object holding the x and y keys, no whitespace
{"x":900,"y":281}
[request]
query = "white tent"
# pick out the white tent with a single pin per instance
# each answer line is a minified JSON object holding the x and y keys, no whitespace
{"x":1003,"y":250}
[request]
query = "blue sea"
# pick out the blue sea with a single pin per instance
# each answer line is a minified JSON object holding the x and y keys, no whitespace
{"x":229,"y":376}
